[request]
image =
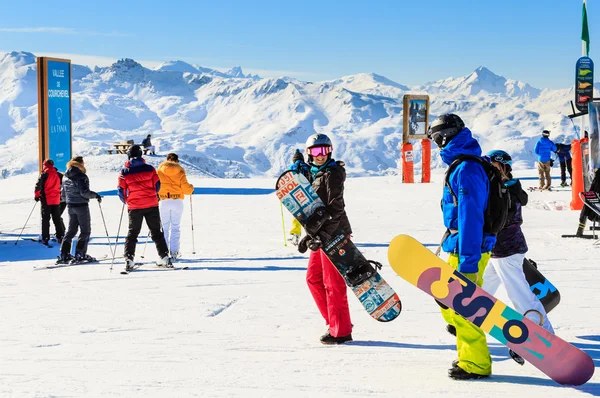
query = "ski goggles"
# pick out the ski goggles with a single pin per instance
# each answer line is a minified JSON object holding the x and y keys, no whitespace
{"x":319,"y":151}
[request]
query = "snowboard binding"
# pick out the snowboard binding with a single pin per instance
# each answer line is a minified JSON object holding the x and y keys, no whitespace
{"x":362,"y":271}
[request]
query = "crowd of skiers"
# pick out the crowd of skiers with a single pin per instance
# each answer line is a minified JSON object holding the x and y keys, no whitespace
{"x":151,"y":195}
{"x":487,"y":257}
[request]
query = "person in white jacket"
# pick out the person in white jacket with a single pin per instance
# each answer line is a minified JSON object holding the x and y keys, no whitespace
{"x":173,"y":187}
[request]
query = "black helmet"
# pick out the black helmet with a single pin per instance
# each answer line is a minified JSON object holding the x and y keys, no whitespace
{"x":134,"y":151}
{"x":444,"y":128}
{"x":546,"y":133}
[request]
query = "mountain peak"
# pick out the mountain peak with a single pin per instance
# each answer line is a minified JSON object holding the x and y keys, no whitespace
{"x":236,"y":71}
{"x":177,"y":66}
{"x":18,"y":58}
{"x":125,"y":64}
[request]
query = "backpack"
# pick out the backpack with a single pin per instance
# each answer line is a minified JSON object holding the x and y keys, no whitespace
{"x":496,"y":214}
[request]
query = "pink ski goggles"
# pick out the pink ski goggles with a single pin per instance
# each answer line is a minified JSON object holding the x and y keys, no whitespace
{"x":319,"y":151}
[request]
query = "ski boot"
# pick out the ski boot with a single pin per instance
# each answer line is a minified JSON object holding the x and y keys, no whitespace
{"x":82,"y":258}
{"x":458,"y":373}
{"x":64,"y":258}
{"x":362,"y":271}
{"x":175,"y":256}
{"x":165,"y":262}
{"x":328,"y":339}
{"x":129,"y":265}
{"x":294,"y":239}
{"x":516,"y":357}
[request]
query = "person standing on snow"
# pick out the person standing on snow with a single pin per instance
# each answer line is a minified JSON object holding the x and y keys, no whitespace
{"x":325,"y":283}
{"x":469,"y":246}
{"x":147,"y":144}
{"x":173,"y":187}
{"x":47,"y":191}
{"x":76,"y":191}
{"x":138,"y":188}
{"x":506,"y":264}
{"x":563,"y":151}
{"x":544,"y":148}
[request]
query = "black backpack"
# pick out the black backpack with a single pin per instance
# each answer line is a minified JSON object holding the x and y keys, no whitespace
{"x":497,"y":212}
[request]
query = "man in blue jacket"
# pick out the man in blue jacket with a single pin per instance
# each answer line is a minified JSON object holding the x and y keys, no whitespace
{"x":544,"y":148}
{"x":469,"y":246}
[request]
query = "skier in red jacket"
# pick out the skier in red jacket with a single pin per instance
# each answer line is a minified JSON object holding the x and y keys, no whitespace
{"x":138,"y":188}
{"x":47,"y":192}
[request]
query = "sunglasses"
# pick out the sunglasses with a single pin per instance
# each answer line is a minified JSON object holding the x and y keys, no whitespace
{"x":319,"y":151}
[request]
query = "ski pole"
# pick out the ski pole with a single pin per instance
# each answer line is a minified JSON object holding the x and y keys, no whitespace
{"x":283,"y":224}
{"x":117,"y":238}
{"x":192,"y":217}
{"x":106,"y":229}
{"x":35,"y":204}
{"x":145,"y":244}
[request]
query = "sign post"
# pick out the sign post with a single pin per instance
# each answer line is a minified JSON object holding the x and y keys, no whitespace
{"x":54,"y":111}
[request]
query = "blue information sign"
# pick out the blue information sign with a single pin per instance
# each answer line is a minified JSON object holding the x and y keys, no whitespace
{"x":584,"y":83}
{"x":58,"y":78}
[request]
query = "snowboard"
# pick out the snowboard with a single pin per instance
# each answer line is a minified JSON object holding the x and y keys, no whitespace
{"x":375,"y":294}
{"x":543,"y":289}
{"x":558,"y":359}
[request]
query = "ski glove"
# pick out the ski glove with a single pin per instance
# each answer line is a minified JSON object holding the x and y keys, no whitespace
{"x":303,"y":244}
{"x":99,"y":198}
{"x":297,"y":156}
{"x":37,"y":199}
{"x":309,"y":242}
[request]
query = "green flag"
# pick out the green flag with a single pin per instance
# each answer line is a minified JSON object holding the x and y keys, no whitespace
{"x":585,"y":33}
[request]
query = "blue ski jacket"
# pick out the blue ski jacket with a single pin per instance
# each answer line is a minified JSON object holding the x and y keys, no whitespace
{"x":544,"y":148}
{"x":465,"y":221}
{"x":563,"y":151}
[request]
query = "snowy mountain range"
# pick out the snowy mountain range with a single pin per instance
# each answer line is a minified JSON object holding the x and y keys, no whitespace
{"x":234,"y":125}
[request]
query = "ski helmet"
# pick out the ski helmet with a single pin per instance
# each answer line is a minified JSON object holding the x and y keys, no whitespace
{"x":444,"y":128}
{"x":501,"y":157}
{"x":134,"y":151}
{"x":318,"y":140}
{"x":546,"y":133}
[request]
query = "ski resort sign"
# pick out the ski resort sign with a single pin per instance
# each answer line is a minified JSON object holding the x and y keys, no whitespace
{"x":584,"y":83}
{"x":54,"y":111}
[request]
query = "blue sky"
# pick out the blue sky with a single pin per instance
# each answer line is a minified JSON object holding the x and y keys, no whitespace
{"x":411,"y":42}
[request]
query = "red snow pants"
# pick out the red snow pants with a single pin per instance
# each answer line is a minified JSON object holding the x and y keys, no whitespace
{"x":329,"y":292}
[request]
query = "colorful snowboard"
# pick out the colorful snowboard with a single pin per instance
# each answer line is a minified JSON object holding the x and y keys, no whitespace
{"x":377,"y":297}
{"x":543,"y":289}
{"x":555,"y":357}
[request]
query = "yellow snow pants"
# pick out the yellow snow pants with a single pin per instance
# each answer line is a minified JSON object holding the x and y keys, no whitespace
{"x":471,"y":343}
{"x":296,"y":228}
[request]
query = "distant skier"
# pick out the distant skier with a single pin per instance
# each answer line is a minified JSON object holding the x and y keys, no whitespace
{"x":506,"y":264}
{"x":544,"y":148}
{"x":300,"y":166}
{"x":325,"y":283}
{"x":173,"y":187}
{"x":138,"y":188}
{"x":147,"y":144}
{"x":469,"y":246}
{"x":76,"y":191}
{"x":47,"y":192}
{"x":563,"y":151}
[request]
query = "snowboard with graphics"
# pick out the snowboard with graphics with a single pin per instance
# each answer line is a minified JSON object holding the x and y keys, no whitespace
{"x":543,"y":289}
{"x":375,"y":294}
{"x":558,"y":359}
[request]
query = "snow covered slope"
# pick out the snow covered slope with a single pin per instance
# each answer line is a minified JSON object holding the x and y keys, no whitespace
{"x":235,"y":125}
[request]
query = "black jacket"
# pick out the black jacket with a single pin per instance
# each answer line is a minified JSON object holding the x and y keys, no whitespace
{"x":75,"y":187}
{"x":328,"y":182}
